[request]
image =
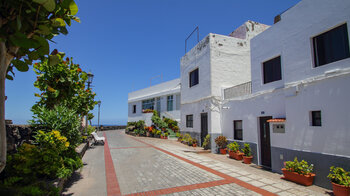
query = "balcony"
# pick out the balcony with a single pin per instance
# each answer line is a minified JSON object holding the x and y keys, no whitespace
{"x":237,"y":91}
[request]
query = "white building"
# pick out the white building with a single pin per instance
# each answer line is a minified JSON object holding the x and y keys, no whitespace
{"x":164,"y":98}
{"x":299,"y":105}
{"x":215,"y":63}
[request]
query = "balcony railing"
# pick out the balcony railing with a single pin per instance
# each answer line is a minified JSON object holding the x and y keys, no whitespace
{"x":237,"y":91}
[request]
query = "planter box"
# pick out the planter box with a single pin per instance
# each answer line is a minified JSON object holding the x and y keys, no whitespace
{"x":306,"y":180}
{"x":340,"y":190}
{"x":247,"y":160}
{"x":223,"y":151}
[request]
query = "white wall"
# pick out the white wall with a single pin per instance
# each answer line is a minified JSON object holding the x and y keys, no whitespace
{"x":292,"y":39}
{"x":332,"y":97}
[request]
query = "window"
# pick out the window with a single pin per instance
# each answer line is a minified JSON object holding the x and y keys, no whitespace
{"x":272,"y":70}
{"x":178,"y":102}
{"x":189,"y":121}
{"x":194,"y":78}
{"x":148,"y":104}
{"x":331,"y":46}
{"x":170,"y":100}
{"x":237,"y":130}
{"x":316,"y":118}
{"x":134,"y":109}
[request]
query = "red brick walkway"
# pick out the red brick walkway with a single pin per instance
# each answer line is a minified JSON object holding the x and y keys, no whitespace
{"x":113,"y":186}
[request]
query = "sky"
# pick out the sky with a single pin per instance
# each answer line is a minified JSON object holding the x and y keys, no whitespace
{"x":126,"y":43}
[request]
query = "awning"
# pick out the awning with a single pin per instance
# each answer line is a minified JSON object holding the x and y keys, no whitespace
{"x":277,"y":120}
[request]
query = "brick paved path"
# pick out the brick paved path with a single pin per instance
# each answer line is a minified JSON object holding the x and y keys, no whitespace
{"x":148,"y":166}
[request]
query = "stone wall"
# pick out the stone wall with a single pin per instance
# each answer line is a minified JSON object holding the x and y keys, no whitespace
{"x":16,"y":135}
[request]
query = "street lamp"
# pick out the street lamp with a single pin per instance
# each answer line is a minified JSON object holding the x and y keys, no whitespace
{"x":89,"y":81}
{"x":98,"y":121}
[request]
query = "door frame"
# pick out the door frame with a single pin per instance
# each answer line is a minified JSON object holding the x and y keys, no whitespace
{"x":261,"y":156}
{"x":207,"y":131}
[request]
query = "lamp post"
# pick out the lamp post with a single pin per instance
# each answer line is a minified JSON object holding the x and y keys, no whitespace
{"x":98,"y":121}
{"x":89,"y":81}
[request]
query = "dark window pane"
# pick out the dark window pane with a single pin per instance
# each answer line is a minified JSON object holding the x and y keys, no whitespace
{"x":194,"y":78}
{"x":316,"y":118}
{"x":238,"y":129}
{"x":189,"y":121}
{"x":331,"y":46}
{"x":272,"y":70}
{"x":134,"y":109}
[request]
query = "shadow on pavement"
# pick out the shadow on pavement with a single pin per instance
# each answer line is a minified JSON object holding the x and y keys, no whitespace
{"x":76,"y":176}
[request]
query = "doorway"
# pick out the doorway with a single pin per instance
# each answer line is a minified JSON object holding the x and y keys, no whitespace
{"x":204,"y":126}
{"x":265,"y":144}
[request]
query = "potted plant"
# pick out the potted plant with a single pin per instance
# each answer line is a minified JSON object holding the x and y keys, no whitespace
{"x":137,"y":132}
{"x":162,"y":136}
{"x":206,"y":142}
{"x":194,"y":143}
{"x":190,"y":141}
{"x":158,"y":133}
{"x":166,"y":135}
{"x":234,"y":151}
{"x":231,"y":151}
{"x":340,"y":181}
{"x":299,"y":172}
{"x":221,"y":142}
{"x":247,"y":157}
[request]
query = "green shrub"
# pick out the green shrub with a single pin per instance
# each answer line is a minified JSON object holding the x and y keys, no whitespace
{"x":221,"y":141}
{"x":158,"y":132}
{"x":59,"y":118}
{"x":206,"y":142}
{"x":246,"y":150}
{"x":233,"y":146}
{"x":90,"y":129}
{"x":301,"y":167}
{"x":166,"y":134}
{"x":339,"y":176}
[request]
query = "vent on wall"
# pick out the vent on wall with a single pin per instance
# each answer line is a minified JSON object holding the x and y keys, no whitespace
{"x":277,"y":19}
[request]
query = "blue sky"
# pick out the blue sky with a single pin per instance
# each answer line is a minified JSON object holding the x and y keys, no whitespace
{"x":125,"y":43}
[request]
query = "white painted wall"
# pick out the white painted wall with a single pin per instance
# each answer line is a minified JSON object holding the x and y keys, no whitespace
{"x":161,"y":90}
{"x":292,"y":39}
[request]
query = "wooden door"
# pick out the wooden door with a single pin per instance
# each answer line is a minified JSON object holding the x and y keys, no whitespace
{"x":265,"y":145}
{"x":204,"y":126}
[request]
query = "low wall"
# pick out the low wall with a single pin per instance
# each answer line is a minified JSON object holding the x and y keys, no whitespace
{"x":106,"y":128}
{"x":16,"y":135}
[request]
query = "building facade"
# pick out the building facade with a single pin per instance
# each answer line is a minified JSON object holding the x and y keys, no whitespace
{"x":215,"y":63}
{"x":164,"y":98}
{"x":300,"y":91}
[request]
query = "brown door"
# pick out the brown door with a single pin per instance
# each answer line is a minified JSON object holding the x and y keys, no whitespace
{"x":265,"y":145}
{"x":204,"y":126}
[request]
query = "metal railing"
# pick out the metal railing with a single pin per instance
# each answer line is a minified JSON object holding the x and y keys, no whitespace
{"x":237,"y":91}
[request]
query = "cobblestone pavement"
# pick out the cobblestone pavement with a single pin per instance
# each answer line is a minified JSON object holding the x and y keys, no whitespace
{"x":149,"y":166}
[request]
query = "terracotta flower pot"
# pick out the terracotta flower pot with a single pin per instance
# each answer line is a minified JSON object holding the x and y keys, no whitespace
{"x":232,"y":154}
{"x":239,"y":156}
{"x":165,"y":137}
{"x":247,"y":160}
{"x":306,"y":180}
{"x":340,"y":190}
{"x":223,"y":151}
{"x":161,"y":137}
{"x":194,"y":145}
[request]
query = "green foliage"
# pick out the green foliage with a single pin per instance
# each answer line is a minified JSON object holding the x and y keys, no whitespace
{"x":187,"y":137}
{"x":158,"y":122}
{"x":221,"y":141}
{"x":166,"y":134}
{"x":140,"y":124}
{"x":90,"y":129}
{"x":63,"y":84}
{"x":59,"y":118}
{"x":172,"y":124}
{"x":301,"y":167}
{"x":178,"y":135}
{"x":158,"y":132}
{"x":233,"y":146}
{"x":246,"y":150}
{"x":137,"y":131}
{"x":339,"y":176}
{"x":29,"y":25}
{"x":194,"y":141}
{"x":190,"y":141}
{"x":206,"y":142}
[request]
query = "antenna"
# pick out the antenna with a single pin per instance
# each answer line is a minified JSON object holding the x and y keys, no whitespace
{"x":195,"y":29}
{"x":161,"y":79}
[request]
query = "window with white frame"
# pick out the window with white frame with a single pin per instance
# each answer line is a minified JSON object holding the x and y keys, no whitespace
{"x":170,"y":103}
{"x":148,"y":104}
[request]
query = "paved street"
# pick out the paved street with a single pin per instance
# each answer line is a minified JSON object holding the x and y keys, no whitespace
{"x":128,"y":165}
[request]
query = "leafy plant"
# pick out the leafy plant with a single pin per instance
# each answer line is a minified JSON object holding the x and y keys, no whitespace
{"x":137,"y":131}
{"x":187,"y":137}
{"x":301,"y":167}
{"x":26,"y":28}
{"x":246,"y":150}
{"x":195,"y":141}
{"x":221,"y":141}
{"x":339,"y":176}
{"x":206,"y":142}
{"x":158,"y":132}
{"x":190,"y":141}
{"x":90,"y":129}
{"x":59,"y":118}
{"x":63,"y":84}
{"x":166,"y":134}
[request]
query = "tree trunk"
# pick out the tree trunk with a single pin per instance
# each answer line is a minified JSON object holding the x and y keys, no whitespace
{"x":5,"y":60}
{"x":3,"y":69}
